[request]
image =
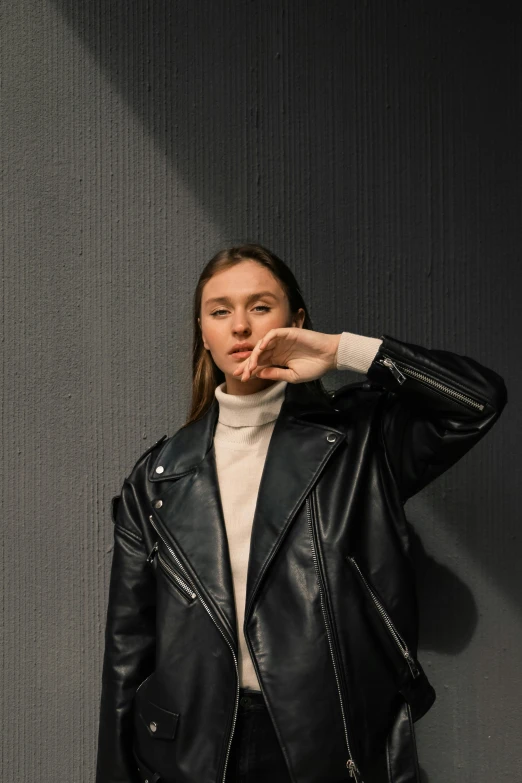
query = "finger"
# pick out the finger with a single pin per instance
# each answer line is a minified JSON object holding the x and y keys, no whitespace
{"x":247,"y":372}
{"x":268,"y":370}
{"x":254,"y":356}
{"x":265,"y":345}
{"x":239,"y":369}
{"x":270,"y":336}
{"x":250,"y":372}
{"x":241,"y":366}
{"x":251,"y":362}
{"x":250,"y":365}
{"x":256,"y":371}
{"x":277,"y":374}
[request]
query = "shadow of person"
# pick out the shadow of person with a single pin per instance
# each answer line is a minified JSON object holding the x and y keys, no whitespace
{"x":448,"y":612}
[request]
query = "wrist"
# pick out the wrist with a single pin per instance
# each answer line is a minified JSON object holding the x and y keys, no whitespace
{"x":334,"y":346}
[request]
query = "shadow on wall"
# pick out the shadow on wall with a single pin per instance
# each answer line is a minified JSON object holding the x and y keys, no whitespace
{"x":353,"y":119}
{"x":449,"y":613}
{"x":274,"y":109}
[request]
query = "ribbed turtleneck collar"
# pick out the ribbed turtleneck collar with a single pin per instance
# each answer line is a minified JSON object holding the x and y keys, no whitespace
{"x":250,"y":410}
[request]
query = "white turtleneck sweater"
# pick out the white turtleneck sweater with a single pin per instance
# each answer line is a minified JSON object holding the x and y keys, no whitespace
{"x":241,"y":439}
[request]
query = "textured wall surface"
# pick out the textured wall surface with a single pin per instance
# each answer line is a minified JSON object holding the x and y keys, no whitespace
{"x":375,"y":146}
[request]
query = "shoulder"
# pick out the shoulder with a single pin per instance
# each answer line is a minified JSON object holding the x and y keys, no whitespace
{"x":128,"y":492}
{"x":355,"y":394}
{"x":139,"y":468}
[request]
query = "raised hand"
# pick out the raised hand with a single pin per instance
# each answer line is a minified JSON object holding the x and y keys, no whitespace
{"x":291,"y":354}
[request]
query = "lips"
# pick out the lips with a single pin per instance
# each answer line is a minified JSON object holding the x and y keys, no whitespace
{"x":242,"y":348}
{"x":241,"y":354}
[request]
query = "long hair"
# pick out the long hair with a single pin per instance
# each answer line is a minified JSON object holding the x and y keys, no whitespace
{"x":206,"y":375}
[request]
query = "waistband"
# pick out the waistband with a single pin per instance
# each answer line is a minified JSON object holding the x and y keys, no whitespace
{"x":251,"y":699}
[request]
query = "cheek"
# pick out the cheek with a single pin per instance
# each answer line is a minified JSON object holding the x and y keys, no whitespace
{"x":213,"y":337}
{"x":276,"y":321}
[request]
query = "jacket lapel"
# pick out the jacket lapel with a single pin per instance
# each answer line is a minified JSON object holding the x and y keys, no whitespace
{"x":306,"y":433}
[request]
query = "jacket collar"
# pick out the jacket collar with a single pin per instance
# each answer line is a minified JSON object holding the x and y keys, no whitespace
{"x":306,"y":433}
{"x":187,"y":448}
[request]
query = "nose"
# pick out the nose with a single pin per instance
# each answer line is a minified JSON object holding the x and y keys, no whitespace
{"x":241,"y":326}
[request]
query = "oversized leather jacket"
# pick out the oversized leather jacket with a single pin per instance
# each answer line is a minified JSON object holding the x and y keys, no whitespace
{"x":331,"y":614}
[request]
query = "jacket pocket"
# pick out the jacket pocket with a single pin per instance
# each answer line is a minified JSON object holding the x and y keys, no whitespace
{"x":154,"y":731}
{"x":412,"y":680}
{"x":160,"y":723}
{"x":398,"y":642}
{"x":183,"y":588}
{"x":180,"y":584}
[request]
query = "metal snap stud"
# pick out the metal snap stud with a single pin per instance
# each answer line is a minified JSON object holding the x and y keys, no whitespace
{"x":331,"y":437}
{"x":160,"y":469}
{"x":158,"y":504}
{"x":153,"y":726}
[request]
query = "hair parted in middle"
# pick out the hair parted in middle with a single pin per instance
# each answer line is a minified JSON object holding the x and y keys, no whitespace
{"x":206,"y":375}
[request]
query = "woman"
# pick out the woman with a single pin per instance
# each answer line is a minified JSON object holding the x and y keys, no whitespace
{"x":262,"y":619}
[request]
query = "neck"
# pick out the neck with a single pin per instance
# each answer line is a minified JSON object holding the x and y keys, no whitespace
{"x":250,"y":410}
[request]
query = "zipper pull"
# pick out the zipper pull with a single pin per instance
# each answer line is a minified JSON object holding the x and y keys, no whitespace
{"x":152,"y":553}
{"x":397,"y":374}
{"x":354,"y":771}
{"x":411,"y":663}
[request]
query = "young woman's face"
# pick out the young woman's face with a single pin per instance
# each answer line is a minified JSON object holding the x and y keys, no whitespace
{"x":240,"y":305}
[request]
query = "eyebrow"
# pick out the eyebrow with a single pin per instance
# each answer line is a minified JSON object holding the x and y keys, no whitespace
{"x":226,"y":300}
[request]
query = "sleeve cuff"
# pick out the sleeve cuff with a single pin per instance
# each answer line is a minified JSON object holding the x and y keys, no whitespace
{"x":356,"y":352}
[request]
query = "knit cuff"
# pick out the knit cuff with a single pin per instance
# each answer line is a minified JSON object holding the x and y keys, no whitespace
{"x":356,"y":352}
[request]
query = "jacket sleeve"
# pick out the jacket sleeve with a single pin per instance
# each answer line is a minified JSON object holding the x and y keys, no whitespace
{"x":129,"y":640}
{"x":437,"y":405}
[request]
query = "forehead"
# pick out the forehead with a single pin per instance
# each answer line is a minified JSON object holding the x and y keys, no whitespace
{"x":241,"y":282}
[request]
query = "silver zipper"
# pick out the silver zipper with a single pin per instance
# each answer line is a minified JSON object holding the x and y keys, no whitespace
{"x":155,"y":526}
{"x":400,"y":370}
{"x":401,"y":644}
{"x":350,"y":764}
{"x":179,"y":581}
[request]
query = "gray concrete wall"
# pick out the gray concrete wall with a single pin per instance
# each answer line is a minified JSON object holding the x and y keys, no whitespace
{"x":375,"y":146}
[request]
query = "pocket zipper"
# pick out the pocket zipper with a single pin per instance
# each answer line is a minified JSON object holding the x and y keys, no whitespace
{"x":152,"y":554}
{"x":175,"y":577}
{"x":179,"y":582}
{"x":399,"y":370}
{"x":399,"y":641}
{"x":155,"y":525}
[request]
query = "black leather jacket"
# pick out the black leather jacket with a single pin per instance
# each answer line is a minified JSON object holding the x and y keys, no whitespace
{"x":331,"y":614}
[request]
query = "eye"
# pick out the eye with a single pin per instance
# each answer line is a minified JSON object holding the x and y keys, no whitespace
{"x":263,"y":307}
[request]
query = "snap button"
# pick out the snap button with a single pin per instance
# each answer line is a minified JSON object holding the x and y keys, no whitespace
{"x":331,"y":437}
{"x":158,"y":504}
{"x":160,"y":469}
{"x":245,"y":700}
{"x":153,"y":726}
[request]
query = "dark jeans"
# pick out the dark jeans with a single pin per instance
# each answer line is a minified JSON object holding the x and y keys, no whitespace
{"x":255,"y":753}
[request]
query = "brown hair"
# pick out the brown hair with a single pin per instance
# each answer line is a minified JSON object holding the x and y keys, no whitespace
{"x":206,"y":375}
